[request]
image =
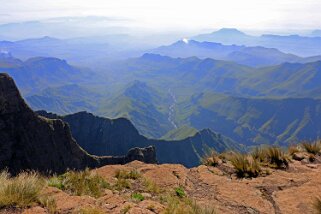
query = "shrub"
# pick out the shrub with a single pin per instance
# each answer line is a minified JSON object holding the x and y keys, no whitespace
{"x":137,"y":197}
{"x":312,"y":148}
{"x":211,"y":158}
{"x":277,"y":157}
{"x":180,"y":192}
{"x":123,"y":174}
{"x":245,"y":167}
{"x":80,"y":183}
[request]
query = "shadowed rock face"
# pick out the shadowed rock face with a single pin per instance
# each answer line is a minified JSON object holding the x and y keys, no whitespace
{"x":29,"y":141}
{"x":103,"y":136}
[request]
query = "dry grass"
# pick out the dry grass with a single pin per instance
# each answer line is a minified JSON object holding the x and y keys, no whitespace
{"x":277,"y":158}
{"x":312,"y":148}
{"x":90,"y":210}
{"x":317,"y":205}
{"x":123,"y":174}
{"x":245,"y":166}
{"x":80,"y":183}
{"x":185,"y":206}
{"x":293,"y":149}
{"x":211,"y":158}
{"x":21,"y":191}
{"x":151,"y":186}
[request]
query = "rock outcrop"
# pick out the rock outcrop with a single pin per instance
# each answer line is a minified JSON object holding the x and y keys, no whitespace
{"x":29,"y":141}
{"x":103,"y":136}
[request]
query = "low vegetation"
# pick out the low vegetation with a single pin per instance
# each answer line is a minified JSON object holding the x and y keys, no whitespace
{"x":245,"y":166}
{"x":176,"y":205}
{"x":138,"y":197}
{"x":317,"y":205}
{"x":312,"y":148}
{"x":23,"y":191}
{"x":123,"y":174}
{"x":211,"y":158}
{"x":80,"y":183}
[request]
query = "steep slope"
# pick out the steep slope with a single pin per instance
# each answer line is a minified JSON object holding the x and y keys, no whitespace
{"x":141,"y":104}
{"x":255,"y":121}
{"x":102,"y":136}
{"x":28,"y":141}
{"x":39,"y":73}
{"x":66,"y":99}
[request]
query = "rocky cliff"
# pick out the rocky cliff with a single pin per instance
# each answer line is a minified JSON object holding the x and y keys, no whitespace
{"x":29,"y":141}
{"x":103,"y":136}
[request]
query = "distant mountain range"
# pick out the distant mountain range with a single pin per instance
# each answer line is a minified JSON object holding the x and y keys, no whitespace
{"x":251,"y":56}
{"x":295,"y":44}
{"x":38,"y":73}
{"x":173,"y":98}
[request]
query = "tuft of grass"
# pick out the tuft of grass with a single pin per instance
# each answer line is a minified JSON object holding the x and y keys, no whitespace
{"x":21,"y":191}
{"x":122,"y":184}
{"x":211,"y":158}
{"x":293,"y":149}
{"x":151,"y":186}
{"x":245,"y":167}
{"x":277,"y":157}
{"x":123,"y":174}
{"x":137,"y":197}
{"x":312,"y":148}
{"x":80,"y":183}
{"x":91,"y":210}
{"x":49,"y":203}
{"x":317,"y":205}
{"x":258,"y":154}
{"x":180,"y":192}
{"x":125,"y":209}
{"x":185,"y":206}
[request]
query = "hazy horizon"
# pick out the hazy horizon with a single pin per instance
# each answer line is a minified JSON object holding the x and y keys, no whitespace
{"x":254,"y":17}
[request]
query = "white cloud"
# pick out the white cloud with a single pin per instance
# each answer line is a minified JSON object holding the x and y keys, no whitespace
{"x":188,"y":14}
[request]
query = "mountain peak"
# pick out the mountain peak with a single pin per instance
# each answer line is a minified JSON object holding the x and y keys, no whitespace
{"x":229,"y":31}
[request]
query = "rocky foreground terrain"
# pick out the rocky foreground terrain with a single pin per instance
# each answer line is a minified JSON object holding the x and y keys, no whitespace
{"x":171,"y":188}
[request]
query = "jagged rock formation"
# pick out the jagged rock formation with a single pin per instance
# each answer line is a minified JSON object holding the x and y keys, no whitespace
{"x":103,"y":136}
{"x":29,"y":141}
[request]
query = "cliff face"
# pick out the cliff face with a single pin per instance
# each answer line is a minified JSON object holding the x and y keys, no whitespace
{"x":29,"y":141}
{"x":103,"y":136}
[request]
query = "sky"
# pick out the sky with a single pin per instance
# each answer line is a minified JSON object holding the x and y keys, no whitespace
{"x":176,"y":14}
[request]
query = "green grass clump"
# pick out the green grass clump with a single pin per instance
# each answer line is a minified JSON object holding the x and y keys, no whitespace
{"x":138,"y":197}
{"x":21,"y":191}
{"x":123,"y":174}
{"x":80,"y":183}
{"x":245,"y":166}
{"x":312,"y":148}
{"x":180,"y":192}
